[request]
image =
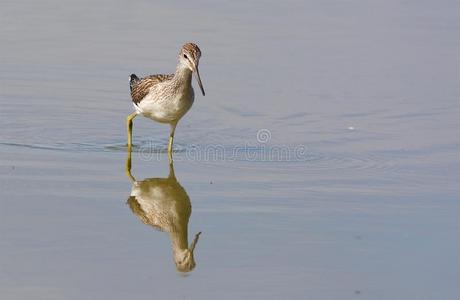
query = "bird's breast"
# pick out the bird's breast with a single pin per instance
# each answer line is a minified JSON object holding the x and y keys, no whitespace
{"x":166,"y":106}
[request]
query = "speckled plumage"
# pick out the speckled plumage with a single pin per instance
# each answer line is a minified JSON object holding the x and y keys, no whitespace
{"x":141,"y":87}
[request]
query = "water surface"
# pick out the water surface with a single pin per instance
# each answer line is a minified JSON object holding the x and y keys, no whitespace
{"x":323,"y":162}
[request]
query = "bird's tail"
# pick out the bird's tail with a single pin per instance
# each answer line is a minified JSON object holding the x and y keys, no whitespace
{"x":133,"y":79}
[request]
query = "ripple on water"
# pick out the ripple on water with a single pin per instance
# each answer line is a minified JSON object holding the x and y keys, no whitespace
{"x":146,"y":146}
{"x":243,"y":157}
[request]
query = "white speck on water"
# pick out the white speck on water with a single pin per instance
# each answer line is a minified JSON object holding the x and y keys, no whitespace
{"x":351,"y":128}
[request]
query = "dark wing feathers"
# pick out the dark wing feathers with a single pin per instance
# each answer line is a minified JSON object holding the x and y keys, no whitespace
{"x":133,"y":79}
{"x":141,"y":87}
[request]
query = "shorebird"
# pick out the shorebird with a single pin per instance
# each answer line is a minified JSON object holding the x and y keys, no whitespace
{"x":166,"y":98}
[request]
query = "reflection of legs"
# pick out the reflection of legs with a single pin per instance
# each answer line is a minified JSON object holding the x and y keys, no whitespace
{"x":171,"y":168}
{"x":171,"y":140}
{"x":129,"y":125}
{"x":128,"y":166}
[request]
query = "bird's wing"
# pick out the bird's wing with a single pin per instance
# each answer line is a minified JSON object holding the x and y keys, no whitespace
{"x":142,"y":87}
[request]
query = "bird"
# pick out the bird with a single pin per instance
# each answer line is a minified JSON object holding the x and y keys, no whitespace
{"x":166,"y":98}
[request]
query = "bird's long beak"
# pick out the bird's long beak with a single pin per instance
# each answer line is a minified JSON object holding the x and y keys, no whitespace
{"x":197,"y":76}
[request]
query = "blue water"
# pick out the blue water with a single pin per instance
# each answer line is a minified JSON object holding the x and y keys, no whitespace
{"x":323,"y":163}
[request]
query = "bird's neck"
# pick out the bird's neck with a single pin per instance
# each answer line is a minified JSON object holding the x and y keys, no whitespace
{"x":182,"y":77}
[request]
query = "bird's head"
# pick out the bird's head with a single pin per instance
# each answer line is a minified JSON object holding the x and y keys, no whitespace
{"x":189,"y":56}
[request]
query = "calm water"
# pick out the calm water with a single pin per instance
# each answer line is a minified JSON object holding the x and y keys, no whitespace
{"x":323,"y":163}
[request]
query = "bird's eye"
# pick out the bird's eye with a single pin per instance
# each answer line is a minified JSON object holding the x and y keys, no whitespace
{"x":185,"y":55}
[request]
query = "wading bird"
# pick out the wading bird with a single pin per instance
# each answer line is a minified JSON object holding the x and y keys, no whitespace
{"x":166,"y":98}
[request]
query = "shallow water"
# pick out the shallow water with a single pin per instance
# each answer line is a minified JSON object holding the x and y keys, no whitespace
{"x":323,"y":162}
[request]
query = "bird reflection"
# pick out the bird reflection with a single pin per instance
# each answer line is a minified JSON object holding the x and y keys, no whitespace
{"x":164,"y":204}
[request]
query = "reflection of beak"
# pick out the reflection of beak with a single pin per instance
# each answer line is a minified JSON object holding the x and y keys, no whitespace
{"x":195,"y":240}
{"x":197,"y":76}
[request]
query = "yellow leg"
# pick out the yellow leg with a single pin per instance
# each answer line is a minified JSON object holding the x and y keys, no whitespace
{"x":171,"y":140}
{"x":129,"y":125}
